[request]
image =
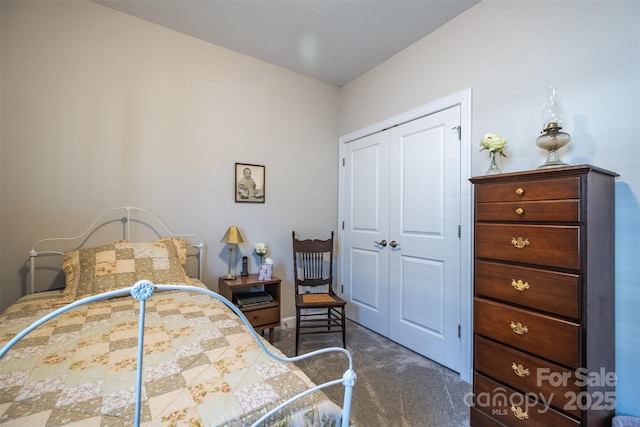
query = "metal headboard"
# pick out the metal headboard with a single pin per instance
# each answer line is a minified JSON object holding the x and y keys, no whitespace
{"x":193,"y":241}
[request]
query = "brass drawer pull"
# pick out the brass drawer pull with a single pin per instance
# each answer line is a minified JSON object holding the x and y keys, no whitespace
{"x":520,"y":211}
{"x":519,"y":413}
{"x":518,"y":328}
{"x":519,"y":285}
{"x":519,"y":242}
{"x":520,"y":370}
{"x":520,"y":191}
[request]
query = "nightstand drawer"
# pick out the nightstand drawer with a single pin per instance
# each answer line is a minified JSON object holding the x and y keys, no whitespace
{"x":544,"y":336}
{"x":263,"y":316}
{"x":528,"y":374}
{"x":542,"y":211}
{"x":544,"y":290}
{"x":547,"y":189}
{"x":547,"y":245}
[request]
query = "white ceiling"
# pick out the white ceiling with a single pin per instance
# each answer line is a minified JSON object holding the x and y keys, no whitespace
{"x":334,"y":41}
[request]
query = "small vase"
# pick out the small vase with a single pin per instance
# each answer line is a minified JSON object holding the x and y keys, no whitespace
{"x":493,"y":166}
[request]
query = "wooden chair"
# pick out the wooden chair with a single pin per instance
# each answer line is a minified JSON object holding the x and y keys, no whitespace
{"x":318,"y":309}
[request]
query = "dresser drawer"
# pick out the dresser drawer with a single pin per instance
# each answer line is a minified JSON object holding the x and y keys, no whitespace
{"x":542,"y":211}
{"x":512,"y":409}
{"x":548,"y":245}
{"x":516,"y":191}
{"x":263,"y":316}
{"x":544,"y":336}
{"x":480,"y":419}
{"x":543,"y":290}
{"x":528,"y":374}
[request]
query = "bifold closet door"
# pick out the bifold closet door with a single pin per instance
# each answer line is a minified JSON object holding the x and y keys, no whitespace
{"x":401,"y":249}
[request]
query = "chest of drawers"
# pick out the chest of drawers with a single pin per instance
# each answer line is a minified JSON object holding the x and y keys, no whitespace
{"x":544,"y":298}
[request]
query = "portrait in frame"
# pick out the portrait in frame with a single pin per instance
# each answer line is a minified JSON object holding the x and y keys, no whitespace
{"x":249,"y":184}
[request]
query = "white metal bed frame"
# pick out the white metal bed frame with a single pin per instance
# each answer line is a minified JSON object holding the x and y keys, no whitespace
{"x":195,"y":241}
{"x":144,"y":289}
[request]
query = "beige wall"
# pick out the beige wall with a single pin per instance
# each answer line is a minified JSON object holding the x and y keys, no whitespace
{"x":101,"y":109}
{"x":508,"y":52}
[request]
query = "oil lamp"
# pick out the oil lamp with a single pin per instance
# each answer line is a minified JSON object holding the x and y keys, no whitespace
{"x":552,"y":137}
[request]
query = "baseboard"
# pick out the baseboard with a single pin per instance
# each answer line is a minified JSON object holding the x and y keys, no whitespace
{"x":288,"y":322}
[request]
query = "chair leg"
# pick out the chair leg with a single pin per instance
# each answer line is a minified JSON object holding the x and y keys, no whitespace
{"x":297,"y":329}
{"x":344,"y":330}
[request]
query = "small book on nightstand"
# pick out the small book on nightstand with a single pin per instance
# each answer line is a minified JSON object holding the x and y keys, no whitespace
{"x":253,"y":296}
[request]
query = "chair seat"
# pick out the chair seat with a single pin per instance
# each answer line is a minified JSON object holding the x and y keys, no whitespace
{"x":319,"y":300}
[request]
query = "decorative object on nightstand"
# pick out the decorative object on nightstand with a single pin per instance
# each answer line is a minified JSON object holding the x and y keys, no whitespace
{"x":495,"y":144}
{"x":265,"y":267}
{"x":231,"y":237}
{"x":261,"y":250}
{"x":552,"y":138}
{"x":265,"y":270}
{"x":258,"y":300}
{"x":245,"y":266}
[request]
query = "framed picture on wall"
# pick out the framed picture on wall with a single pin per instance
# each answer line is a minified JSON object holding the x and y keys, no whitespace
{"x":249,"y":186}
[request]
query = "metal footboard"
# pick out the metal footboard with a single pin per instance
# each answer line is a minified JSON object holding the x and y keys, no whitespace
{"x":144,"y":289}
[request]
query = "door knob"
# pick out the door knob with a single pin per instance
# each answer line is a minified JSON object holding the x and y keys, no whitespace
{"x":393,"y":244}
{"x":382,"y":243}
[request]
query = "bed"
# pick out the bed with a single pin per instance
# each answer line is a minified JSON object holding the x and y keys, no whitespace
{"x":132,"y":339}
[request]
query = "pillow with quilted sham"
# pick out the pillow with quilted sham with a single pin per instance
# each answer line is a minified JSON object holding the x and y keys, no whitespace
{"x":119,"y":265}
{"x":181,"y":247}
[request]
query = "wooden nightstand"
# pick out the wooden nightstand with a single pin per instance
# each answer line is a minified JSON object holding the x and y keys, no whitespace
{"x":261,"y":316}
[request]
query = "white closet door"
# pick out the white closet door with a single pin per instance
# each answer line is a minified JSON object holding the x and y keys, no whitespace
{"x":424,"y":215}
{"x":365,"y":264}
{"x":400,"y":252}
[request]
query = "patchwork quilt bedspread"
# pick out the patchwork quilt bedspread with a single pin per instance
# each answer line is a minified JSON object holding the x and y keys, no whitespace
{"x":201,"y":367}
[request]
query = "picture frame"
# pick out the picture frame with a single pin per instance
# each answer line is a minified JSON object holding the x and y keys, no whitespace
{"x":249,"y":183}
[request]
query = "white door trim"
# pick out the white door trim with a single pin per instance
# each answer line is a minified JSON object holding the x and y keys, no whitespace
{"x":464,"y":99}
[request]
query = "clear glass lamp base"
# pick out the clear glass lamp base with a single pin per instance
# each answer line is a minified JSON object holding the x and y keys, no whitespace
{"x":552,"y":141}
{"x":553,"y":161}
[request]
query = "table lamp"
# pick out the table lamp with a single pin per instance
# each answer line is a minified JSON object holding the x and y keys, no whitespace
{"x":232,"y":237}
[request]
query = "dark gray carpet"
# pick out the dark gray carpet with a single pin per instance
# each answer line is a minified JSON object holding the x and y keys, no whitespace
{"x":395,"y":386}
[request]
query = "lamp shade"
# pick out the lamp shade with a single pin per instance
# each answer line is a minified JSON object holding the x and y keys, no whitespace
{"x":232,"y":236}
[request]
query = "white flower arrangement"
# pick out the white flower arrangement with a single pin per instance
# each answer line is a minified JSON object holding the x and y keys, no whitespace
{"x":261,"y":250}
{"x":494,"y":143}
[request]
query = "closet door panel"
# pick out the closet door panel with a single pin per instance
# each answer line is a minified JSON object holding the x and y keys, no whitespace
{"x":424,"y":267}
{"x":365,"y":262}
